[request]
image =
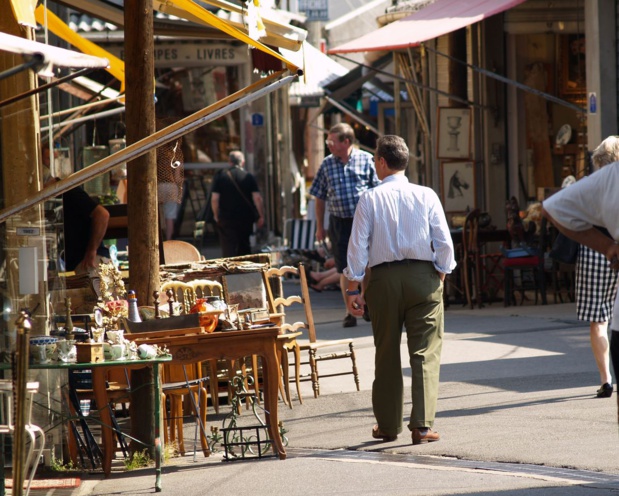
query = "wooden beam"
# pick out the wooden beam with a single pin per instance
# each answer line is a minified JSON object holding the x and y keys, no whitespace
{"x":142,"y":200}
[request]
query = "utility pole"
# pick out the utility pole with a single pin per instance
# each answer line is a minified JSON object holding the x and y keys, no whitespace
{"x":142,"y":187}
{"x":315,"y":137}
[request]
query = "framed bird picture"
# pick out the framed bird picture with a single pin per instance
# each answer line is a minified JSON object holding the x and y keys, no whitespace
{"x":458,"y":186}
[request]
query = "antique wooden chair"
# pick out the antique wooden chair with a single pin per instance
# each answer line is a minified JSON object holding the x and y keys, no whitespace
{"x":183,"y":292}
{"x":186,"y":293}
{"x":478,"y":268}
{"x":180,"y":381}
{"x":205,"y":287}
{"x":562,"y":274}
{"x":201,"y":289}
{"x":531,"y":267}
{"x":313,"y":346}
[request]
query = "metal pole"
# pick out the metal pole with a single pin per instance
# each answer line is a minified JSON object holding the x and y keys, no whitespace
{"x":20,"y":379}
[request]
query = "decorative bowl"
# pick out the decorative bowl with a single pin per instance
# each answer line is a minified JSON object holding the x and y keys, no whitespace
{"x":38,"y":340}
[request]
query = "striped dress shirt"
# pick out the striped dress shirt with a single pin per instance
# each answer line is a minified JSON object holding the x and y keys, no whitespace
{"x":398,"y":220}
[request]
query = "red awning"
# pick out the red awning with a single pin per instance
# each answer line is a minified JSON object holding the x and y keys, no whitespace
{"x":437,"y":19}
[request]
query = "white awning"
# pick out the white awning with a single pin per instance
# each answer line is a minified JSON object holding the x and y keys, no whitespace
{"x":52,"y":56}
{"x":318,"y":70}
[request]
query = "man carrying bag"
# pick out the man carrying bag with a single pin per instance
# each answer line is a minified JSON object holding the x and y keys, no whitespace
{"x":237,"y":204}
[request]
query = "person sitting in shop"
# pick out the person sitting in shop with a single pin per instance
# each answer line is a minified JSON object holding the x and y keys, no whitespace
{"x":85,"y":222}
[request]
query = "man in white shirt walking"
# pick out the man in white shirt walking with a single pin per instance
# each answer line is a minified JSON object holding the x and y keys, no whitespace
{"x":400,"y":231}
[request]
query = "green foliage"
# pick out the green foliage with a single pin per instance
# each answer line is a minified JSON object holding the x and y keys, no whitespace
{"x":110,"y":199}
{"x":138,"y":459}
{"x":56,"y":465}
{"x":170,"y":450}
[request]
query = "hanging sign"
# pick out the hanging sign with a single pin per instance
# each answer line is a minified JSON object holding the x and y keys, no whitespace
{"x":315,"y":10}
{"x":593,"y":103}
{"x":193,"y":54}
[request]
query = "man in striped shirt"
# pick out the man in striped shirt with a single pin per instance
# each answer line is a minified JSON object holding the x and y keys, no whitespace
{"x":342,"y":177}
{"x":401,"y":232}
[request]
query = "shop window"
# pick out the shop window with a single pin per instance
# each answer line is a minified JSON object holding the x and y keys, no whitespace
{"x":572,"y":75}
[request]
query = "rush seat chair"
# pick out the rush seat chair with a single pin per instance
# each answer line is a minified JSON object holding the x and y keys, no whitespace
{"x":333,"y":349}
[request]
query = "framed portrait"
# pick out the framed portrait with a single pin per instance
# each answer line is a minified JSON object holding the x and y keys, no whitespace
{"x":454,"y":133}
{"x":458,"y":186}
{"x":572,"y":74}
{"x":245,"y":290}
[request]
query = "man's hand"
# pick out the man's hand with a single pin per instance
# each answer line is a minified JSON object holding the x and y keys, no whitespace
{"x":89,"y":262}
{"x":355,"y":305}
{"x":612,"y":255}
{"x":260,"y":222}
{"x":320,"y":217}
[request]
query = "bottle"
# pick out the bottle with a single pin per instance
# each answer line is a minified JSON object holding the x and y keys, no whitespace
{"x":69,"y":321}
{"x":133,"y":312}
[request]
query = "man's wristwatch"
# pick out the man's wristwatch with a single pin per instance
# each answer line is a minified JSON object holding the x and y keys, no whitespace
{"x":353,"y":292}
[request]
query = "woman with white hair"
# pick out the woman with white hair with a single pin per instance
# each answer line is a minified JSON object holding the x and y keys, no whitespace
{"x":596,"y":282}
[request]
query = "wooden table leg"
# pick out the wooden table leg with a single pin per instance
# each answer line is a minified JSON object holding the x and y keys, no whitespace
{"x":271,"y":373}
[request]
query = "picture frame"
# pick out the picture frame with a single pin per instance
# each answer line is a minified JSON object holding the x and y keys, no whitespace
{"x":245,"y":289}
{"x":572,"y":73}
{"x":454,"y":133}
{"x":458,"y":192}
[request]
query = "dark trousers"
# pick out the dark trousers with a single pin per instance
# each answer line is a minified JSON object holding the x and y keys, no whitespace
{"x":339,"y":234}
{"x":234,"y":237}
{"x":407,"y":294}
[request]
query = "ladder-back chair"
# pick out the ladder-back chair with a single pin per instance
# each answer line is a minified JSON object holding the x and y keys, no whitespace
{"x":479,"y":268}
{"x":313,"y":345}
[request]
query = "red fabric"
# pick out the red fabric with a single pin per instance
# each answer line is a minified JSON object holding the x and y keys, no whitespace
{"x":521,"y":261}
{"x":265,"y":62}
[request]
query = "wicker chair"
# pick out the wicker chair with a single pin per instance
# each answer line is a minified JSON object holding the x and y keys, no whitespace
{"x":175,"y":251}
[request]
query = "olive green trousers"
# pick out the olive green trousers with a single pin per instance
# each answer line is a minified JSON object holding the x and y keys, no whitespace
{"x":405,"y":294}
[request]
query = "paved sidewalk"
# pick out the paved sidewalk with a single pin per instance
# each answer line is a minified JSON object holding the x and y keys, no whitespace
{"x":517,"y":414}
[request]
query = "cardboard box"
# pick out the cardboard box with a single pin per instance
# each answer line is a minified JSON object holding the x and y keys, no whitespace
{"x":89,"y":352}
